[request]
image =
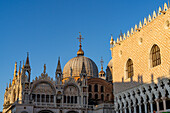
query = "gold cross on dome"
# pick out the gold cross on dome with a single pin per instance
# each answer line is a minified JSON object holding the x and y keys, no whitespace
{"x":101,"y":61}
{"x":80,"y":38}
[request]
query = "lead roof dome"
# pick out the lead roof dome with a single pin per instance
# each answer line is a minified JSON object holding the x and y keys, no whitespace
{"x":76,"y":65}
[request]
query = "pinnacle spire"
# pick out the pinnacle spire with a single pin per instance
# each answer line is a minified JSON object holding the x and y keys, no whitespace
{"x":27,"y":60}
{"x":7,"y":87}
{"x":10,"y":83}
{"x":23,"y":65}
{"x":58,"y":70}
{"x":19,"y":71}
{"x":15,"y":70}
{"x":80,"y":51}
{"x":83,"y":70}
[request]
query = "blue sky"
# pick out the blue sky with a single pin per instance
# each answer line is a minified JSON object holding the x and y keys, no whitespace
{"x":48,"y":29}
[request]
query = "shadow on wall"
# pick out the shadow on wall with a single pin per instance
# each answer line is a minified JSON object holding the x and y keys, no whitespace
{"x":123,"y":86}
{"x":153,"y":96}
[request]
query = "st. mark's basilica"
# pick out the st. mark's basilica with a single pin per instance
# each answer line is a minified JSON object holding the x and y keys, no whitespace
{"x":137,"y":78}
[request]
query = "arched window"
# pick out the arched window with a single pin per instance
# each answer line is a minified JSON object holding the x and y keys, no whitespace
{"x":68,"y":99}
{"x":95,"y":88}
{"x":75,"y":99}
{"x":71,"y":99}
{"x":90,"y":96}
{"x":102,"y":97}
{"x":38,"y":98}
{"x":64,"y":99}
{"x":129,"y":68}
{"x":89,"y":88}
{"x":155,"y":56}
{"x":43,"y":98}
{"x":102,"y":89}
{"x":33,"y":97}
{"x":47,"y":98}
{"x":96,"y":96}
{"x":107,"y":97}
{"x":52,"y":98}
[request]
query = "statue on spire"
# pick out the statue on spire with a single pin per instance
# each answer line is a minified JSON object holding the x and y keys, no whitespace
{"x":44,"y":68}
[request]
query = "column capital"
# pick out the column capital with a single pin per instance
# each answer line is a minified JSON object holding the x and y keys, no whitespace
{"x":163,"y":98}
{"x":139,"y":104}
{"x":157,"y":99}
{"x":150,"y":101}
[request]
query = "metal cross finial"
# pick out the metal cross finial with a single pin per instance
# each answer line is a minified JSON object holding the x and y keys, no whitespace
{"x":101,"y":61}
{"x":80,"y":38}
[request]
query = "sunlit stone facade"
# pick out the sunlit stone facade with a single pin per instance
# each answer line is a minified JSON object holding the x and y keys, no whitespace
{"x":64,"y":94}
{"x":141,"y":65}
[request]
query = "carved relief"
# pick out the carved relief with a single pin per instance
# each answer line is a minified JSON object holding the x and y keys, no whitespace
{"x":43,"y":88}
{"x":71,"y":90}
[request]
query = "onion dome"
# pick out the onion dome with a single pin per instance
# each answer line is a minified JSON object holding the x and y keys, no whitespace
{"x":102,"y":73}
{"x":76,"y":65}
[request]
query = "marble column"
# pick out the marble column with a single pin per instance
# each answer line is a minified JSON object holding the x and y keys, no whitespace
{"x":45,"y":99}
{"x":54,"y":100}
{"x":157,"y":105}
{"x":66,"y":100}
{"x":134,"y":107}
{"x":164,"y":102}
{"x":151,"y":106}
{"x":125,"y":110}
{"x":140,"y":110}
{"x":62,"y":100}
{"x":145,"y":107}
{"x":129,"y":108}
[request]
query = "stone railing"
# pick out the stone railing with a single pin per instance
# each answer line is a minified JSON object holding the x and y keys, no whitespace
{"x":65,"y":105}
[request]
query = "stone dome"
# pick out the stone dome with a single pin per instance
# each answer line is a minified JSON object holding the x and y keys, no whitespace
{"x":76,"y":65}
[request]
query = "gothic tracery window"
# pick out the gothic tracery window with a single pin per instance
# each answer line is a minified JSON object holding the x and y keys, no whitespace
{"x":155,"y":56}
{"x":129,"y":68}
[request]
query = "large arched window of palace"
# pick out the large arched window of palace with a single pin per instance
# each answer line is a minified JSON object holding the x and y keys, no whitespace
{"x":129,"y":69}
{"x":155,"y":56}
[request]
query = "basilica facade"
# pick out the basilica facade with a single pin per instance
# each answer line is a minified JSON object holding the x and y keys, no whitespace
{"x":79,"y":88}
{"x":137,"y":78}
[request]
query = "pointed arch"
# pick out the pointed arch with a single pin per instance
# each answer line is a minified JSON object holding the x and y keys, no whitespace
{"x":129,"y":69}
{"x":155,"y":56}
